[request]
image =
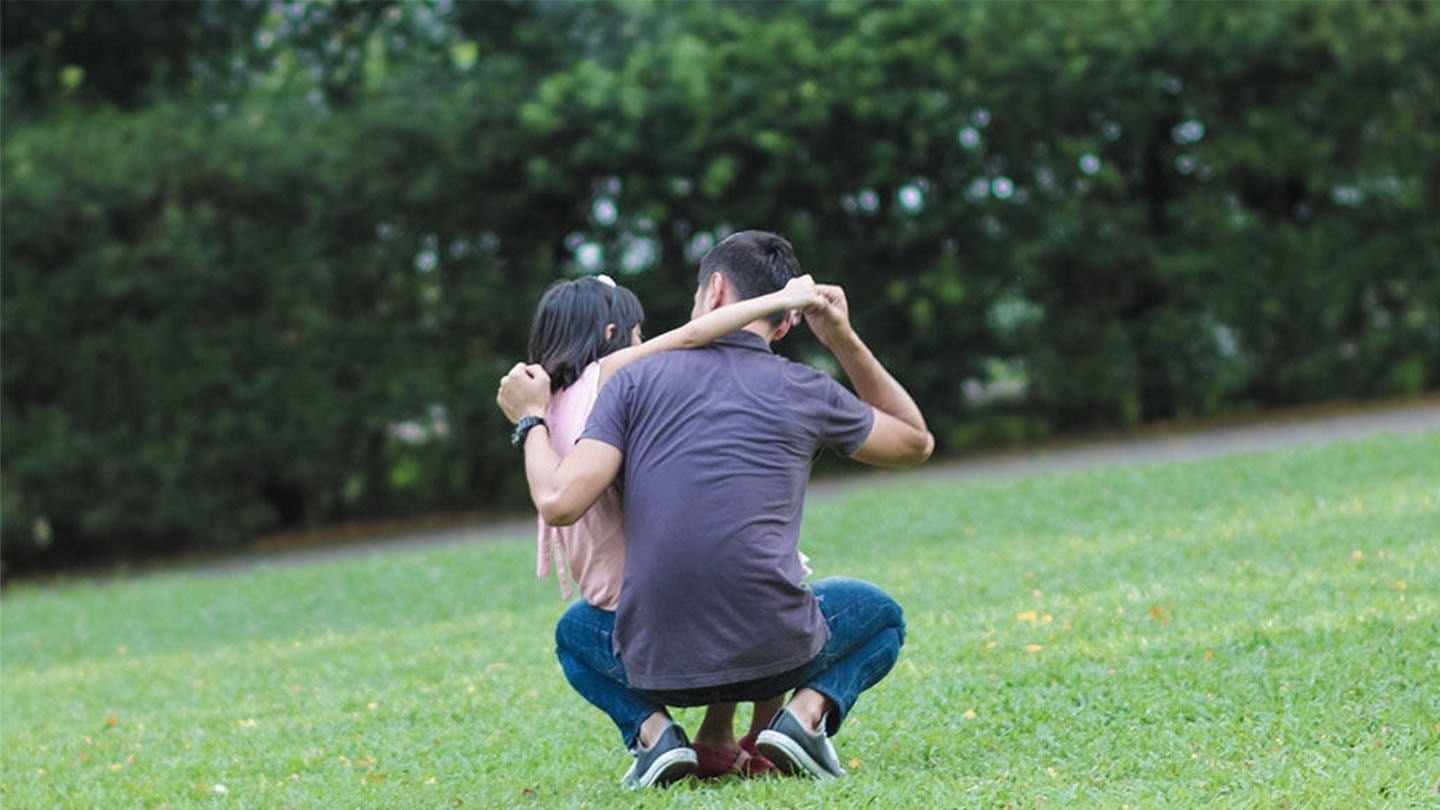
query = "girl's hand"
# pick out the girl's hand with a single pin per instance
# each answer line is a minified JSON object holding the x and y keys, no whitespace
{"x":801,"y":293}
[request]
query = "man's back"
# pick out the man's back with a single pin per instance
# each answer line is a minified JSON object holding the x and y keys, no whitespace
{"x":717,"y":447}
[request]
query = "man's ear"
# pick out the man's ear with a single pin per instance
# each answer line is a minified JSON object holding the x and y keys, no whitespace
{"x":784,"y":328}
{"x":715,"y":288}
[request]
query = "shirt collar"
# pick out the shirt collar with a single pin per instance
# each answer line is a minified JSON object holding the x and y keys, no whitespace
{"x":744,"y":339}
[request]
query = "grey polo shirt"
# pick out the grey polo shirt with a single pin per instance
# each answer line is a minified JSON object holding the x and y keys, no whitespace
{"x":717,"y":445}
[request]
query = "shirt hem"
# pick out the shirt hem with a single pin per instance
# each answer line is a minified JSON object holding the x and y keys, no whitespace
{"x":730,"y":677}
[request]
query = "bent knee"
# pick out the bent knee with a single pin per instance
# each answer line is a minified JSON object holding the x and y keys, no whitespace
{"x":582,"y":625}
{"x":866,"y":596}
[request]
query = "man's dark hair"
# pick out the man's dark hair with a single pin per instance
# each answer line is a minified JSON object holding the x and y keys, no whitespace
{"x":755,"y":263}
{"x":568,"y":332}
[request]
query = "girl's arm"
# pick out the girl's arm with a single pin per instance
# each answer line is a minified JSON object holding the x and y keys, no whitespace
{"x":799,"y":293}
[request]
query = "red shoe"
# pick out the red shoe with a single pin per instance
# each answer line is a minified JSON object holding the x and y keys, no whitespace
{"x":759,"y":765}
{"x":712,"y":762}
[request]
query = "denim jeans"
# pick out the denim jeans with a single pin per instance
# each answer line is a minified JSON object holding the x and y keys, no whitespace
{"x":867,"y":629}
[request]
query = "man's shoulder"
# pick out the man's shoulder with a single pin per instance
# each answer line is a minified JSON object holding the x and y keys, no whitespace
{"x":662,"y":364}
{"x":804,"y":374}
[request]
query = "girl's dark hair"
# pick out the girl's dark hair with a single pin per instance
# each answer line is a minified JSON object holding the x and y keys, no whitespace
{"x":568,"y":332}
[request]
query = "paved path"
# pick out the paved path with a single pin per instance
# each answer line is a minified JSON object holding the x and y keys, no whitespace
{"x":1153,"y":445}
{"x":1160,"y":445}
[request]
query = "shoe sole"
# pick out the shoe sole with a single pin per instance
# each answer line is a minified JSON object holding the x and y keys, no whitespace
{"x":671,"y":766}
{"x":789,"y":756}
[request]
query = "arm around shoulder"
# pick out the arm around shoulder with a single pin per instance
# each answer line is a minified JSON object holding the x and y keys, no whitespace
{"x":706,"y":329}
{"x":563,"y":490}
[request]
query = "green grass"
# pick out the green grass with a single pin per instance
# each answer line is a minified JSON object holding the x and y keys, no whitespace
{"x":1254,"y":631}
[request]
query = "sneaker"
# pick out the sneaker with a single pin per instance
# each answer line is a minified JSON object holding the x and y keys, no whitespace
{"x":760,"y":765}
{"x":795,"y":750}
{"x":669,"y":759}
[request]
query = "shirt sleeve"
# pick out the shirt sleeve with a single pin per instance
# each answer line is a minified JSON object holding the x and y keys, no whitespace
{"x":609,"y":420}
{"x":846,"y":420}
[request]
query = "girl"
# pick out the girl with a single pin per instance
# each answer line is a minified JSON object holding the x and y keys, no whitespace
{"x":584,"y":331}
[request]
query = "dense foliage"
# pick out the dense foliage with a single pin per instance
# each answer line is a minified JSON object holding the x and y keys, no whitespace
{"x":263,"y":262}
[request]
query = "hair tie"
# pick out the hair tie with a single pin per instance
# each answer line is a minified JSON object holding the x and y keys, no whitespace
{"x":604,"y":279}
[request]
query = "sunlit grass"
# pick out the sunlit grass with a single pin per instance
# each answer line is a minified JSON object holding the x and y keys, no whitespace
{"x":1254,"y":631}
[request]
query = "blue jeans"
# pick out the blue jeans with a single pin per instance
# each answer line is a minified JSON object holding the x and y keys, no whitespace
{"x":867,"y":628}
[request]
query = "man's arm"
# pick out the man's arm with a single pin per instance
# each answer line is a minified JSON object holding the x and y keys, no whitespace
{"x":562,"y":489}
{"x":899,"y":437}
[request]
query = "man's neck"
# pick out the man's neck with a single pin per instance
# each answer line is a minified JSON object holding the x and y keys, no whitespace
{"x":762,"y":328}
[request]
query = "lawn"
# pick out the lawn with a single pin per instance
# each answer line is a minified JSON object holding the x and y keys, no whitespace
{"x":1251,"y":631}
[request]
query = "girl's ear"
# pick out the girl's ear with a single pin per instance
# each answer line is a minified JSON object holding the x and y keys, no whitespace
{"x":609,"y":332}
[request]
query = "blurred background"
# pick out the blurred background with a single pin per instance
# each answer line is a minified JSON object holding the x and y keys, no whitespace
{"x":264,"y":262}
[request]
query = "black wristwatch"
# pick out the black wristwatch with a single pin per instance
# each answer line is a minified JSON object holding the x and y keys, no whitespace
{"x":517,"y":438}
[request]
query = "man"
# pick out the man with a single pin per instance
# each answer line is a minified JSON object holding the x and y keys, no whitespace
{"x":715,"y":446}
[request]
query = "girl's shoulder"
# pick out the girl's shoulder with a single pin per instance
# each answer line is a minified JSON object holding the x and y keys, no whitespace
{"x":588,"y":373}
{"x":574,"y":401}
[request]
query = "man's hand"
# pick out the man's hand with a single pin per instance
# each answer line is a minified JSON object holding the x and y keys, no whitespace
{"x":525,"y":391}
{"x":563,"y":489}
{"x":829,"y":318}
{"x":899,"y":437}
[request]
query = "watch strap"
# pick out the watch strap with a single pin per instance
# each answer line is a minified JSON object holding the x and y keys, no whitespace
{"x":523,"y":428}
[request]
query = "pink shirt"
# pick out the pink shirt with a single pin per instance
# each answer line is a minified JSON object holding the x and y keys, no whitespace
{"x":592,"y":550}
